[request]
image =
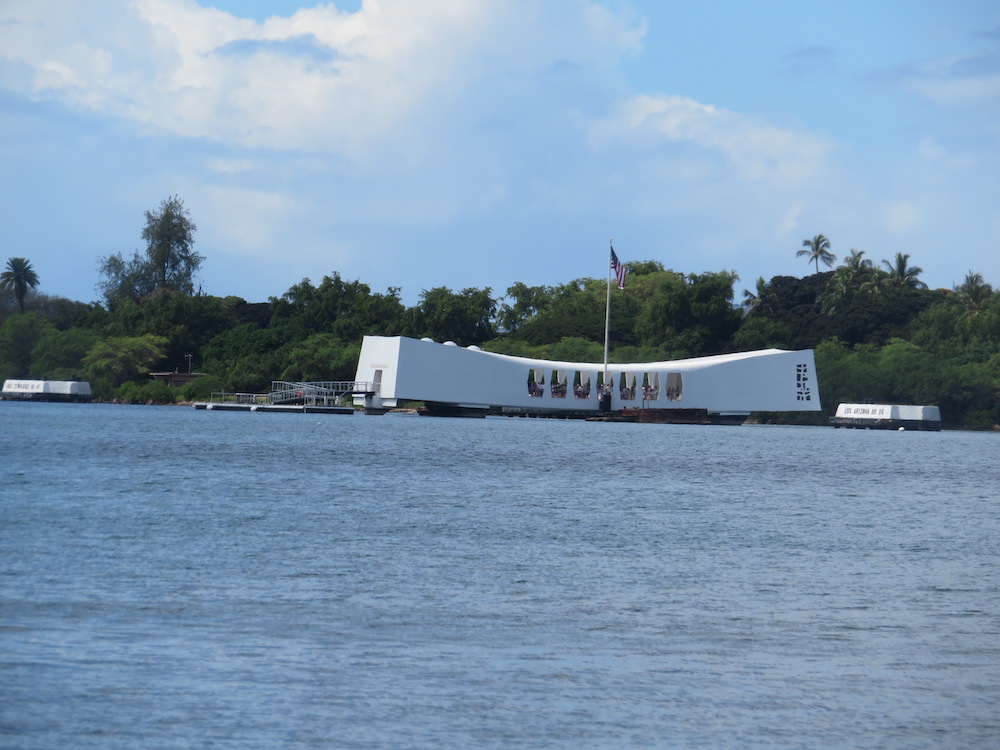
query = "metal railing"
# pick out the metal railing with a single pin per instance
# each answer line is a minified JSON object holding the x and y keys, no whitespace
{"x":312,"y":393}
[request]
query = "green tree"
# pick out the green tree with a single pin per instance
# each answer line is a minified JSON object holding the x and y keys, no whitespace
{"x":980,"y":328}
{"x":188,"y":323}
{"x":689,"y":315}
{"x":149,"y":392}
{"x":817,"y":249}
{"x":937,"y":328}
{"x":909,"y":373}
{"x":170,"y":261}
{"x":525,"y":302}
{"x":901,"y":274}
{"x":115,"y":361}
{"x":575,"y":349}
{"x":347,"y":309}
{"x":847,"y":280}
{"x":856,"y":261}
{"x":975,"y":292}
{"x":322,"y":356}
{"x":58,"y":355}
{"x":19,"y":335}
{"x":202,"y":388}
{"x":19,"y":276}
{"x":753,"y":300}
{"x":838,"y":290}
{"x":638,"y":268}
{"x":246,"y":358}
{"x":576,"y":309}
{"x":124,"y":280}
{"x":66,"y":314}
{"x":759,"y":332}
{"x":169,"y":235}
{"x":848,"y":374}
{"x":466,"y":318}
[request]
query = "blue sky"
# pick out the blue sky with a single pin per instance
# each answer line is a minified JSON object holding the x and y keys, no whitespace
{"x":477,"y":144}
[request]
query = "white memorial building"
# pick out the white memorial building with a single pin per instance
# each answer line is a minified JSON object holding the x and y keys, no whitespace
{"x":446,"y":376}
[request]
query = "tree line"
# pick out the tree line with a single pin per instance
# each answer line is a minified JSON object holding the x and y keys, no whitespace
{"x":878,"y":332}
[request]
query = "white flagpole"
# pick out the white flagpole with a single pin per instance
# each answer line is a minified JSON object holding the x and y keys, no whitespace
{"x":607,"y":314}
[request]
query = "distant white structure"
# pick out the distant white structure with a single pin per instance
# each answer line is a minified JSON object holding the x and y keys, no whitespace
{"x":404,"y":369}
{"x":46,"y":390}
{"x":887,"y":417}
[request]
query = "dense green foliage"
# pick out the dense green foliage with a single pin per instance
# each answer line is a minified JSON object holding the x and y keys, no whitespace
{"x":878,"y":333}
{"x":170,"y":261}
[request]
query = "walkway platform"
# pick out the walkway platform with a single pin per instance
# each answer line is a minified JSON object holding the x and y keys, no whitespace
{"x":287,"y":408}
{"x":326,"y":397}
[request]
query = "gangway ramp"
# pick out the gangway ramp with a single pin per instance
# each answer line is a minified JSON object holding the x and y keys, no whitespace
{"x":310,"y":397}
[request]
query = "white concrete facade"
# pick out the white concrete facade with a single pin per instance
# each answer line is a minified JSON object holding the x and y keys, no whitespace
{"x":889,"y":411}
{"x":405,"y":369}
{"x":43,"y":389}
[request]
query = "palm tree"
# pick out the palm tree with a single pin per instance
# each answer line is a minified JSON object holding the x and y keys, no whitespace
{"x":19,"y":276}
{"x":853,"y":276}
{"x":902,"y":275}
{"x":855,"y":262}
{"x":838,"y":289}
{"x":753,"y":300}
{"x":818,"y":249}
{"x":975,"y":292}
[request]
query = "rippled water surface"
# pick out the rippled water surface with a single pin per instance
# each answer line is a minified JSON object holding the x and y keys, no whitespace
{"x":179,"y":578}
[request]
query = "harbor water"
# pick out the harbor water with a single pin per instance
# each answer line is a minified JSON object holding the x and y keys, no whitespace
{"x":174,"y":578}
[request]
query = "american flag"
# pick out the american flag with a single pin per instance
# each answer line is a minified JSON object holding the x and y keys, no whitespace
{"x":620,"y":271}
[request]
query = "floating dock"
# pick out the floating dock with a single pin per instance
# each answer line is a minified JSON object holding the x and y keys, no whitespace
{"x":286,"y":408}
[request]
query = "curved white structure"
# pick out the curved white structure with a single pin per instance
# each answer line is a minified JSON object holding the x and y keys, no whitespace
{"x":404,"y":369}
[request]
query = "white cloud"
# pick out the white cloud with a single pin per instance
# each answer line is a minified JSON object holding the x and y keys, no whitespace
{"x":231,"y":166}
{"x":955,"y":81}
{"x":253,"y":220}
{"x":790,"y":221}
{"x":809,"y":62}
{"x":901,"y":217}
{"x":753,"y":148}
{"x":423,"y":129}
{"x":379,"y":84}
